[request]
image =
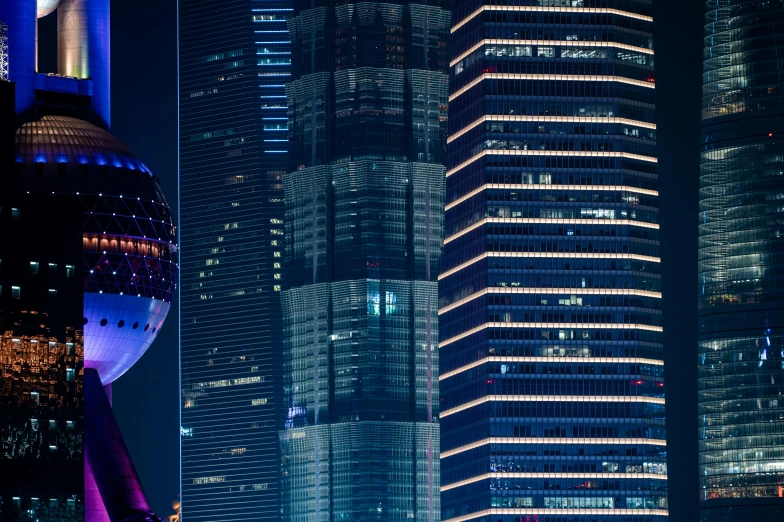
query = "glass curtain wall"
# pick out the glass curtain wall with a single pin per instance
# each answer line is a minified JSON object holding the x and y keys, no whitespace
{"x":235,"y":58}
{"x":552,"y":379}
{"x":364,"y":220}
{"x":741,"y":264}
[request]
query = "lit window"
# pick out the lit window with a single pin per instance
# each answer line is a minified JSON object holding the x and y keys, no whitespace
{"x":53,"y":268}
{"x":69,"y":270}
{"x":33,"y":267}
{"x":16,"y":292}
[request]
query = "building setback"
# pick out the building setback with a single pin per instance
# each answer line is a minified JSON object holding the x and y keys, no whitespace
{"x":364,"y":220}
{"x":550,"y":292}
{"x":741,"y":262}
{"x":234,"y":60}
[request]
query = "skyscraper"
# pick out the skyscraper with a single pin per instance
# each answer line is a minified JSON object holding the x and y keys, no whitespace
{"x":88,"y":262}
{"x":234,"y":59}
{"x":364,"y":218}
{"x":550,"y":294}
{"x":741,"y":261}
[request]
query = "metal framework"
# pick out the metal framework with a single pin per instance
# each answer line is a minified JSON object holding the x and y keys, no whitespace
{"x":3,"y":52}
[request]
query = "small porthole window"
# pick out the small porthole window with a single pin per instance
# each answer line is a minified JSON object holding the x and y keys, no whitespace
{"x":104,"y":321}
{"x":146,"y":327}
{"x":153,"y":329}
{"x":85,"y":321}
{"x":121,"y":324}
{"x":135,"y":325}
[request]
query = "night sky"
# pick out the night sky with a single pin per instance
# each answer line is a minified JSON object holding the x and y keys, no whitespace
{"x":144,"y":99}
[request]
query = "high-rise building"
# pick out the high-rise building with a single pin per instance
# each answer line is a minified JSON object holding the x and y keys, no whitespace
{"x":741,"y":262}
{"x":87,"y":273}
{"x":364,"y":220}
{"x":550,"y":294}
{"x":234,"y":58}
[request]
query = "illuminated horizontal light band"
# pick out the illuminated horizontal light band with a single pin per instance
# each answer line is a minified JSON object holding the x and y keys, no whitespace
{"x":558,"y":153}
{"x":548,"y":255}
{"x":551,"y":221}
{"x":557,"y":511}
{"x":559,"y":43}
{"x":519,"y":326}
{"x":554,"y":475}
{"x":537,"y":8}
{"x":551,"y":398}
{"x":566,"y":360}
{"x":539,"y":186}
{"x":551,"y":440}
{"x":552,"y":77}
{"x":550,"y":119}
{"x":549,"y":291}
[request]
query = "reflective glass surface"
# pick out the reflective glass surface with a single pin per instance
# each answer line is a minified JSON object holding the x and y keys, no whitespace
{"x":234,"y":61}
{"x":741,"y":261}
{"x":364,"y":221}
{"x":551,"y":371}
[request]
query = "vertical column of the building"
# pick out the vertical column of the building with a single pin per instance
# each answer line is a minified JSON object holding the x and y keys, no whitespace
{"x":550,"y":292}
{"x":234,"y":62}
{"x":740,"y":302}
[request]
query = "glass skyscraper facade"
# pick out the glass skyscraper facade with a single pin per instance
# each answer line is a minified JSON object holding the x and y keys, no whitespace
{"x":550,"y":292}
{"x":741,"y":263}
{"x":364,"y":221}
{"x":234,"y":58}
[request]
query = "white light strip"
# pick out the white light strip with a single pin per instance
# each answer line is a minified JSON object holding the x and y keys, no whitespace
{"x":554,"y":475}
{"x":551,"y":398}
{"x":549,"y":291}
{"x":558,"y":360}
{"x":539,"y":186}
{"x":557,"y":511}
{"x":546,"y":255}
{"x":551,"y":221}
{"x":557,"y":153}
{"x":551,"y":77}
{"x":536,"y":8}
{"x":553,"y":119}
{"x":559,"y":43}
{"x":587,"y":326}
{"x":551,"y":440}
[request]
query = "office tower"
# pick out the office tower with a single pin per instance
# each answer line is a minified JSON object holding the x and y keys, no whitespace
{"x":741,"y":258}
{"x":234,"y":60}
{"x":88,"y":261}
{"x":550,"y":292}
{"x":364,"y":220}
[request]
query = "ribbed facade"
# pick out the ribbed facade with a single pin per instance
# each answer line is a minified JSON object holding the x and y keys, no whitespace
{"x":364,"y":221}
{"x":552,"y":378}
{"x":234,"y":60}
{"x":741,"y":263}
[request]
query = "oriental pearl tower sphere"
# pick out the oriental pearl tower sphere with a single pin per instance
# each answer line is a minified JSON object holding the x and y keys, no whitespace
{"x":63,"y":147}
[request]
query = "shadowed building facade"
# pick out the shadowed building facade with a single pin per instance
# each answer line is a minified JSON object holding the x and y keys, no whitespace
{"x":550,"y":293}
{"x":234,"y":58}
{"x":741,"y":262}
{"x":364,"y":219}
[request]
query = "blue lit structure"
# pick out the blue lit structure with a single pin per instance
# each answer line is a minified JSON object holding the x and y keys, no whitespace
{"x":234,"y":58}
{"x":741,"y":261}
{"x":65,"y":160}
{"x":550,"y":294}
{"x":364,"y":223}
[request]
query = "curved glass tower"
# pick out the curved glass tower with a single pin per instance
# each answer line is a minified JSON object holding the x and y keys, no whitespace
{"x":741,"y":263}
{"x":550,"y":291}
{"x":364,"y":221}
